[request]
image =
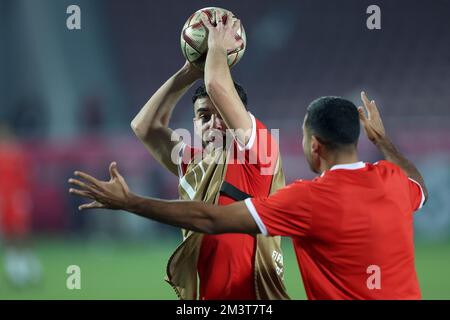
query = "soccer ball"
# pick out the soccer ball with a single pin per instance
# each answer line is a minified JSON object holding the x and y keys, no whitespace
{"x":194,"y":38}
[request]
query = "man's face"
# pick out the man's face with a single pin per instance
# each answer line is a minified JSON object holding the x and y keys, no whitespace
{"x":207,"y":121}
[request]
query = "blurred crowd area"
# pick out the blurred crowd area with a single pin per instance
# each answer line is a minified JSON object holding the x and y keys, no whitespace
{"x":67,"y":97}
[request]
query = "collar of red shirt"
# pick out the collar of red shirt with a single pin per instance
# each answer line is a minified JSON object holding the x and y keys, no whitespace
{"x":347,"y":166}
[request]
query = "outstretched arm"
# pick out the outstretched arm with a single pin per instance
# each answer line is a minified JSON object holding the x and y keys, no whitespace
{"x":373,"y":126}
{"x":191,"y":215}
{"x":218,"y":81}
{"x":195,"y":215}
{"x":151,"y":124}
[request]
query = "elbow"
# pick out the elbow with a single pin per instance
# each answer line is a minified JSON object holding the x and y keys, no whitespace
{"x":142,"y":131}
{"x":134,"y":126}
{"x":137,"y":129}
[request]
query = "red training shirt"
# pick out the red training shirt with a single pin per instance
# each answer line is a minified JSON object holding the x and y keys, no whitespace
{"x":226,"y":261}
{"x":352,"y":230}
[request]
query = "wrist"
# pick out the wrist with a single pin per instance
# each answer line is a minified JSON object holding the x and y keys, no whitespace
{"x":188,"y":73}
{"x":218,"y":48}
{"x":131,"y":202}
{"x":382,"y":142}
{"x":387,"y":148}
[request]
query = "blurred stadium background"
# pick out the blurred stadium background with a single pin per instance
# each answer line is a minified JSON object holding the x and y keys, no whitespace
{"x":69,"y":96}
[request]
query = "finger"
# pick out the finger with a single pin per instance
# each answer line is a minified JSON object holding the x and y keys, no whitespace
{"x":220,"y":18}
{"x":369,"y":107}
{"x":205,"y":19}
{"x":236,"y":25}
{"x":91,"y":205}
{"x":83,"y":185}
{"x":87,"y":177}
{"x":374,"y":107}
{"x":364,"y":99}
{"x":362,"y":115}
{"x":239,"y":44}
{"x":81,"y":193}
{"x":113,"y":169}
{"x":216,"y":17}
{"x":228,"y":19}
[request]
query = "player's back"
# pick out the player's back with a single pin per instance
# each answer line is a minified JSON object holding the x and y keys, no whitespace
{"x":360,"y":244}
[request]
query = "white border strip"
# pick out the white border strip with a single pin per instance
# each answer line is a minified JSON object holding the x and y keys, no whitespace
{"x":252,"y":138}
{"x":251,"y":208}
{"x":187,"y":187}
{"x":180,"y":159}
{"x":421,"y":190}
{"x":349,"y":166}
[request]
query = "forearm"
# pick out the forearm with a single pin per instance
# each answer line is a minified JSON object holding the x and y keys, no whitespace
{"x":221,"y":90}
{"x":390,"y":153}
{"x":156,"y":112}
{"x":217,"y":70}
{"x":191,"y":215}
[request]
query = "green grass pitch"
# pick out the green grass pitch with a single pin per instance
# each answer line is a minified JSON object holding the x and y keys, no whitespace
{"x":136,"y":271}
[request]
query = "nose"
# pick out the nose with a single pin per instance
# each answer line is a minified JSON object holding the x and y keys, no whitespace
{"x":215,"y":122}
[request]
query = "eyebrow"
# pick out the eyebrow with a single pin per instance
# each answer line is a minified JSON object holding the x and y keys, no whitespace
{"x":202,"y":110}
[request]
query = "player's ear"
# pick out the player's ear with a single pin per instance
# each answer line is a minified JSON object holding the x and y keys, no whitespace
{"x":315,"y":145}
{"x":315,"y":154}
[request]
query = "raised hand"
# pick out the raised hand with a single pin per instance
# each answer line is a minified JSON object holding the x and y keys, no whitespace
{"x":112,"y":194}
{"x":224,"y":33}
{"x":372,"y":124}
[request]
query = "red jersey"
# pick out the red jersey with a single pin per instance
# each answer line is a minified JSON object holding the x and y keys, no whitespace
{"x":15,"y":202}
{"x":352,"y":230}
{"x":226,"y":261}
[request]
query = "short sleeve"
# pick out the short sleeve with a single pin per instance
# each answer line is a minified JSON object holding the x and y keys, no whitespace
{"x":413,"y":189}
{"x":285,"y":213}
{"x":416,"y":194}
{"x":261,"y":149}
{"x":251,"y":140}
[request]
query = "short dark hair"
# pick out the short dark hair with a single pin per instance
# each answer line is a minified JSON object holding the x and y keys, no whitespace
{"x":200,"y":92}
{"x":334,"y":121}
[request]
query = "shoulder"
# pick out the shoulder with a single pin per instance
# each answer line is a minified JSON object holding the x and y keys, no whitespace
{"x":296,"y":196}
{"x":299,"y":184}
{"x":385,"y":167}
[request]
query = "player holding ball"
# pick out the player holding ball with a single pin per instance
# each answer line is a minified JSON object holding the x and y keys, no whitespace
{"x":232,"y":266}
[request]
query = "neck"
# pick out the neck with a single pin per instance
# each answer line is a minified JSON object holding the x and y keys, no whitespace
{"x":337,"y":158}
